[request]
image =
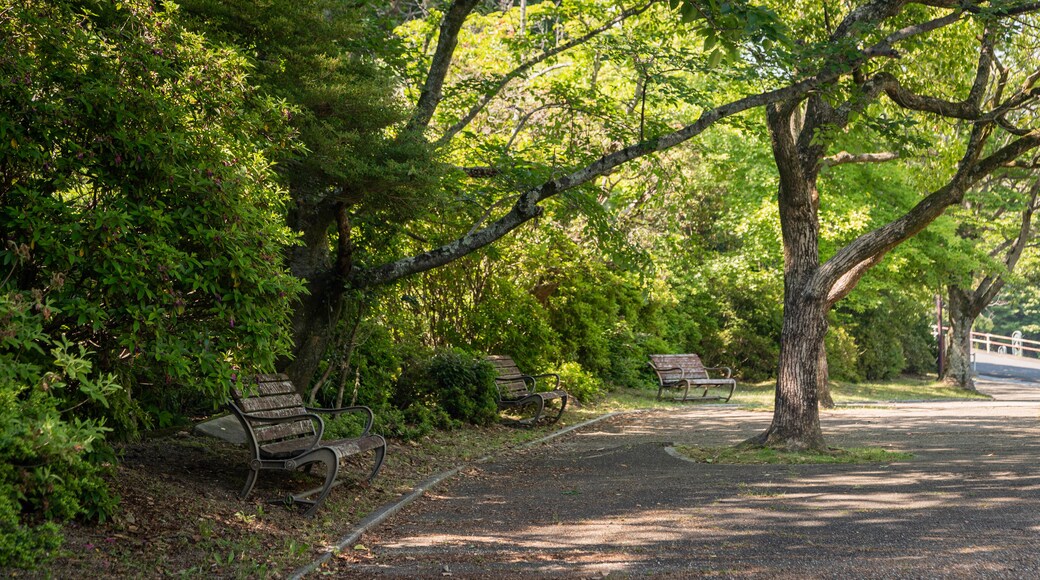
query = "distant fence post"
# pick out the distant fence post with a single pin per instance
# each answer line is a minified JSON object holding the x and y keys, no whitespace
{"x":939,"y":334}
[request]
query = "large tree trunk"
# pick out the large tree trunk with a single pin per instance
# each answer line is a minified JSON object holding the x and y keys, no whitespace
{"x":958,"y":351}
{"x":314,"y":319}
{"x":796,"y":415}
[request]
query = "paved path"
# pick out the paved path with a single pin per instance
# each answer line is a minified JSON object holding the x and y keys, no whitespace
{"x":1025,"y":372}
{"x":610,"y":500}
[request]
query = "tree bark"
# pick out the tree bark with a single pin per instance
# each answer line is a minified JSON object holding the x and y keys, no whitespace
{"x":314,"y":319}
{"x":958,"y":351}
{"x":796,"y":416}
{"x":796,"y":413}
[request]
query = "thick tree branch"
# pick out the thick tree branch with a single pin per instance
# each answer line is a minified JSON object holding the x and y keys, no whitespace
{"x":909,"y":100}
{"x":447,"y":40}
{"x":505,"y":79}
{"x":526,"y":206}
{"x":844,"y":157}
{"x":849,"y":279}
{"x":881,"y":240}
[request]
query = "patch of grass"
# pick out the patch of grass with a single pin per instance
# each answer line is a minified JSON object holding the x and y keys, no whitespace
{"x":760,"y":396}
{"x":762,"y":456}
{"x":902,"y":389}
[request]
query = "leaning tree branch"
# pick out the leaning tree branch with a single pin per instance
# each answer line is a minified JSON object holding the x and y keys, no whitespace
{"x":883,"y":239}
{"x":526,"y":206}
{"x":505,"y":79}
{"x":447,"y":39}
{"x":844,"y":157}
{"x":849,"y":279}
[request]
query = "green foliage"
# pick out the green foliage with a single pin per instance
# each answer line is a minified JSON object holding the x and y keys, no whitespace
{"x":579,"y":383}
{"x":460,"y":385}
{"x":137,"y":190}
{"x":842,"y":355}
{"x":465,"y":386}
{"x":725,"y":25}
{"x":48,"y":469}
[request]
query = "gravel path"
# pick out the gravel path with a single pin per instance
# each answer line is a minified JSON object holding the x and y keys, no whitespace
{"x":611,"y":500}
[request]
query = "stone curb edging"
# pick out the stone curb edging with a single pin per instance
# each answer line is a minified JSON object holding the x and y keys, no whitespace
{"x":384,"y":512}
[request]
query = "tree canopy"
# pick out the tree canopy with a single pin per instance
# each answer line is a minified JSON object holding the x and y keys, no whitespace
{"x":192,"y":192}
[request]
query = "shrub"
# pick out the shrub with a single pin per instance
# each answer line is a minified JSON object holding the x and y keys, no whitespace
{"x":461,"y":385}
{"x":465,"y":387}
{"x":842,"y":355}
{"x":46,"y":470}
{"x":579,"y":383}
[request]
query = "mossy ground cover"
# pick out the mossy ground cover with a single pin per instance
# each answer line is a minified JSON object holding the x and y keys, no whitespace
{"x":768,"y":456}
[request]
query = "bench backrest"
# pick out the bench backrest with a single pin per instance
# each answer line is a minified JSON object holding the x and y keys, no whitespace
{"x":510,"y":380}
{"x":272,"y":396}
{"x":689,"y":366}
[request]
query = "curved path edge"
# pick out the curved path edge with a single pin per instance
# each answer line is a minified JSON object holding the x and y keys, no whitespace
{"x":384,"y":512}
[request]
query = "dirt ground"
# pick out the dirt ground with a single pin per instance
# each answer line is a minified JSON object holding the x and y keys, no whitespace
{"x":613,"y":500}
{"x":180,"y":515}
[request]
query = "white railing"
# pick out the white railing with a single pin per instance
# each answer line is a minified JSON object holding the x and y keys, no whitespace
{"x":1014,"y":344}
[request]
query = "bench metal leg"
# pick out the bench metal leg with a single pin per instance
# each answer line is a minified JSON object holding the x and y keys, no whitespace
{"x":331,"y":461}
{"x":563,"y":405}
{"x":254,"y":472}
{"x":540,"y":402}
{"x":380,"y":455}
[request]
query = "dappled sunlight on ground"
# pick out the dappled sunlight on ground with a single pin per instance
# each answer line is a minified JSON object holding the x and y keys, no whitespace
{"x":612,"y":500}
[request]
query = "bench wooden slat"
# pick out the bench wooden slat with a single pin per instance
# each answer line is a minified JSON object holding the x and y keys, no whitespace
{"x":516,"y":389}
{"x":256,"y":405}
{"x":293,"y":444}
{"x":294,"y":430}
{"x":681,"y":371}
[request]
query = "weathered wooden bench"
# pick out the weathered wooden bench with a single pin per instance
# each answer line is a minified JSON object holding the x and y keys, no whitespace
{"x":285,"y":435}
{"x":681,"y":372}
{"x":517,"y":390}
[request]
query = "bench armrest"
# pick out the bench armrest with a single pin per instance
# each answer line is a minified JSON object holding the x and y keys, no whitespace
{"x":729,"y":371}
{"x":355,"y":409}
{"x":535,"y":378}
{"x":660,"y":376}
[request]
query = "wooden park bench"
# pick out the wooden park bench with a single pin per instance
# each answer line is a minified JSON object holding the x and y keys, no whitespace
{"x":681,"y":372}
{"x":517,"y":390}
{"x":285,"y":435}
